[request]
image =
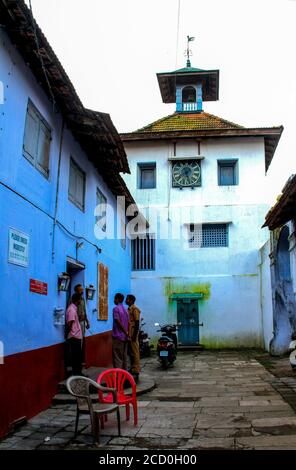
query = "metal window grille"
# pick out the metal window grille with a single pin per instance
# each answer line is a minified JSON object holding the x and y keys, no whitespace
{"x":208,"y":235}
{"x":143,"y":253}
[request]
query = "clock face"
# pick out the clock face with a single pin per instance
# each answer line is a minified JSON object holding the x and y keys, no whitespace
{"x":186,"y":174}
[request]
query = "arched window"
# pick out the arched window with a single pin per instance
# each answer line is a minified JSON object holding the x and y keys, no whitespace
{"x":189,"y":94}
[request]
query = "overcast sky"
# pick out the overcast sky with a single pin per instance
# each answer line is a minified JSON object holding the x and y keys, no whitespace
{"x":112,"y":49}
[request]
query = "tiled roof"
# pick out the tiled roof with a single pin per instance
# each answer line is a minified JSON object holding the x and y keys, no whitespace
{"x":285,"y":207}
{"x":189,"y":122}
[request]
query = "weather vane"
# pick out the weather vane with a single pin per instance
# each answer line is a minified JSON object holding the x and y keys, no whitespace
{"x":188,"y":52}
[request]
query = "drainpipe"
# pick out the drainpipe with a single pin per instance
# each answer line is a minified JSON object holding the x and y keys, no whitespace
{"x":57,"y":191}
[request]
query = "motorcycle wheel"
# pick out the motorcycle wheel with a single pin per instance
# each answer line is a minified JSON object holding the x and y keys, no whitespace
{"x":164,"y":363}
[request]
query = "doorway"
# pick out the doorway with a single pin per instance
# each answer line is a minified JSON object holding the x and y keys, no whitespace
{"x":188,"y":322}
{"x":76,"y":271}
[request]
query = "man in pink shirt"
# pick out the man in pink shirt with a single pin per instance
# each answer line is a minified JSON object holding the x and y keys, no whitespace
{"x":74,"y":337}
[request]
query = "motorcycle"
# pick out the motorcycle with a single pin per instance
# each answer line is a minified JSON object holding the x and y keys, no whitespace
{"x":145,"y":347}
{"x":292,"y":350}
{"x":167,"y":345}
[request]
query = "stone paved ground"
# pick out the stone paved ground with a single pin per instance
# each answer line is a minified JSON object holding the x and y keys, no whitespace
{"x":208,"y":400}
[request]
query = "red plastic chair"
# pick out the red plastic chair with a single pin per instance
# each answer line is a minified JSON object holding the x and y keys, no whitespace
{"x":115,"y":378}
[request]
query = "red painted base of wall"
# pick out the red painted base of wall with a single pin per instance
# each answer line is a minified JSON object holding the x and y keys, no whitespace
{"x":29,"y":380}
{"x":98,"y":350}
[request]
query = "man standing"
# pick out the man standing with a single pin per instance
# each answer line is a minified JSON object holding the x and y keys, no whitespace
{"x":74,"y":336}
{"x":134,"y":326}
{"x":82,"y":315}
{"x":120,"y":335}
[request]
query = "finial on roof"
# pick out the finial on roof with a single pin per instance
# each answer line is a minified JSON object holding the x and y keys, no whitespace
{"x":188,"y":52}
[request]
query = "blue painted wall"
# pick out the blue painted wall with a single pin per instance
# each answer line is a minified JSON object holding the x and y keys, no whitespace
{"x":26,"y":320}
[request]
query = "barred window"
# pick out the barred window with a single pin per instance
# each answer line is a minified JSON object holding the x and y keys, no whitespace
{"x":143,"y":253}
{"x":207,"y":235}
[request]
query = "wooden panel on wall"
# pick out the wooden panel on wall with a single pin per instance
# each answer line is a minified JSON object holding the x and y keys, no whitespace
{"x":103,"y":274}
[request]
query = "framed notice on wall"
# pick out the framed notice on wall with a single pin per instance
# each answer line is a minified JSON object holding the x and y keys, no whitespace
{"x":18,"y":248}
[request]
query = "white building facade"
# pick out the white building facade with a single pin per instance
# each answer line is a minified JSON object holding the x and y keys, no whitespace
{"x":199,"y":180}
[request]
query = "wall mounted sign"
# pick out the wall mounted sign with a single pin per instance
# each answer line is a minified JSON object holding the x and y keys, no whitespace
{"x":18,"y":248}
{"x":38,"y":287}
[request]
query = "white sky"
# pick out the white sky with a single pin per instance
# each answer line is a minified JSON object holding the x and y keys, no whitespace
{"x":112,"y":49}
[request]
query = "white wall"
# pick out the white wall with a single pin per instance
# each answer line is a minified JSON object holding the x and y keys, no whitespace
{"x":229,"y":276}
{"x":266,"y":295}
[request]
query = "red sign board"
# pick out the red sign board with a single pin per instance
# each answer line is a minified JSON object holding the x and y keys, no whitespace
{"x":38,"y":287}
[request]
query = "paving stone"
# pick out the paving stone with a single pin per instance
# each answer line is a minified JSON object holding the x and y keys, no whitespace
{"x":222,"y":421}
{"x":4,"y":445}
{"x":166,"y":432}
{"x":267,"y":442}
{"x":113,"y":447}
{"x":276,"y":426}
{"x":223,"y":432}
{"x":254,"y":403}
{"x":211,"y":443}
{"x":120,"y":441}
{"x":27,"y":444}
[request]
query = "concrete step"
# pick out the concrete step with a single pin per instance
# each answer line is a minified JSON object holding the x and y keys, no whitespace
{"x":146,"y":384}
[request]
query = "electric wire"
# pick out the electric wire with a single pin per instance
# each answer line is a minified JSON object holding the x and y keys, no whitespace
{"x":73,"y":235}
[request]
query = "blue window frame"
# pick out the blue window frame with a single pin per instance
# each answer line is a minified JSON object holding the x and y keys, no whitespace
{"x":146,"y":175}
{"x":227,"y":172}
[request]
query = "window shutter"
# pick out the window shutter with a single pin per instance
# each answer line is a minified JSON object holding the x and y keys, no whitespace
{"x":101,"y":211}
{"x":72,"y":182}
{"x":147,"y":178}
{"x":43,"y":148}
{"x":79,"y":188}
{"x":227,"y":175}
{"x":31,"y":134}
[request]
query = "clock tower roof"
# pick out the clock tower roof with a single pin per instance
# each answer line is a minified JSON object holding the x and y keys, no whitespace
{"x":168,"y":81}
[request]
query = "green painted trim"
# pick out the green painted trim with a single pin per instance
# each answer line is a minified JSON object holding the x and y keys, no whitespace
{"x":199,"y":295}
